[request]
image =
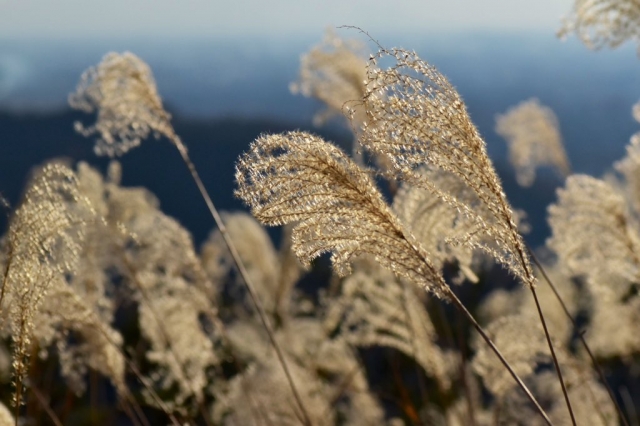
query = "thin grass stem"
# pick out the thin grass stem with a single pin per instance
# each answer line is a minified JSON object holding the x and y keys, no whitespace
{"x":553,"y":355}
{"x":581,"y":336}
{"x":42,"y":400}
{"x":460,"y":306}
{"x":243,"y":272}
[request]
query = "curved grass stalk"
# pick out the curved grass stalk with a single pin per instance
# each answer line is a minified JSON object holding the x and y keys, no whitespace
{"x":603,"y":379}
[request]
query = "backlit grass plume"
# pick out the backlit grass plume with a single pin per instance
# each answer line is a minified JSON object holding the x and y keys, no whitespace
{"x":377,"y":309}
{"x":334,"y":72}
{"x":600,"y":23}
{"x":434,"y":222}
{"x":122,"y":91}
{"x":415,"y":117}
{"x":43,"y":244}
{"x":298,"y":177}
{"x":533,"y":137}
{"x":593,"y":207}
{"x":629,"y":166}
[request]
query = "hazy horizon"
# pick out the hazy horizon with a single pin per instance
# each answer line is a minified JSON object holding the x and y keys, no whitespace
{"x":135,"y":18}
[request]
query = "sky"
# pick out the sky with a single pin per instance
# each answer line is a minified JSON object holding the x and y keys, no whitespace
{"x":269,"y":18}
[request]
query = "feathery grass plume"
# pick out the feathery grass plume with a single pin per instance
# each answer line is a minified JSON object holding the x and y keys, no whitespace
{"x":122,"y":90}
{"x":76,"y":313}
{"x":42,"y":246}
{"x":377,"y":309}
{"x":523,"y":342}
{"x":298,"y":177}
{"x":533,"y":138}
{"x":434,"y":222}
{"x":170,"y":291}
{"x":415,"y":118}
{"x":629,"y":166}
{"x":258,"y":396}
{"x":594,"y":234}
{"x":349,"y":389}
{"x":330,"y":364}
{"x":172,"y":295}
{"x":270,"y":270}
{"x":84,"y":308}
{"x":334,"y":72}
{"x":607,"y":254}
{"x":600,"y":23}
{"x":82,"y":338}
{"x":530,"y":359}
{"x":592,"y":404}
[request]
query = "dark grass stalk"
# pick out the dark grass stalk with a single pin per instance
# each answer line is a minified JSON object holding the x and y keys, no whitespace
{"x":165,"y":336}
{"x":46,"y":381}
{"x":44,"y":404}
{"x":33,"y":372}
{"x":69,"y":400}
{"x":628,"y":402}
{"x":460,"y":306}
{"x":241,"y":269}
{"x":93,"y":396}
{"x":131,"y":402}
{"x":422,"y":387}
{"x":449,"y":335}
{"x":530,"y":284}
{"x":152,"y":392}
{"x":129,"y":412}
{"x":581,"y":336}
{"x":553,"y":355}
{"x":463,"y":375}
{"x":133,"y":368}
{"x":407,"y":404}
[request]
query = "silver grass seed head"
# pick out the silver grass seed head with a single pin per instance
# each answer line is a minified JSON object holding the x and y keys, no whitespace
{"x":44,"y":244}
{"x":415,"y":117}
{"x":122,"y":91}
{"x":600,"y":23}
{"x":629,"y":166}
{"x":299,"y":178}
{"x":334,"y":72}
{"x":532,"y":133}
{"x":594,"y":234}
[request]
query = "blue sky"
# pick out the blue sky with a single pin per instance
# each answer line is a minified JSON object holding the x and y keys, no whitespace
{"x":232,"y":18}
